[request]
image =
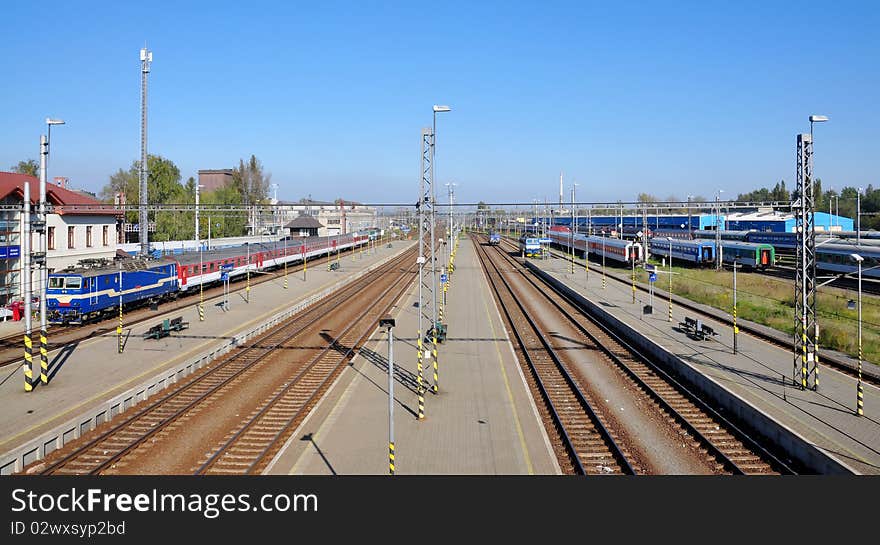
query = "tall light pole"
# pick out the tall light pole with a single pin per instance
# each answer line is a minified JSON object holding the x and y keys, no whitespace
{"x":450,"y":192}
{"x":146,"y":59}
{"x":719,"y":258}
{"x":197,"y":230}
{"x":830,"y":216}
{"x":859,"y":217}
{"x":735,"y":327}
{"x":43,"y":276}
{"x":388,"y":323}
{"x":690,"y":228}
{"x":860,"y":409}
{"x":27,"y":286}
{"x":573,"y":225}
{"x":670,"y":277}
{"x":201,"y":285}
{"x":436,"y":109}
{"x":812,"y":241}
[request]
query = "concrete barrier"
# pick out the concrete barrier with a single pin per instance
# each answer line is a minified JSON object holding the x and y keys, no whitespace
{"x":757,"y":422}
{"x":15,"y":460}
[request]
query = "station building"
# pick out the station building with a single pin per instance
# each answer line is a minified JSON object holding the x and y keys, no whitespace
{"x":336,"y":218}
{"x":72,"y":234}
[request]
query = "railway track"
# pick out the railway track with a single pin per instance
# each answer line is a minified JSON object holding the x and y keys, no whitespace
{"x":778,"y":339}
{"x":247,"y":446}
{"x":588,"y":447}
{"x":726,"y":448}
{"x":12,"y":346}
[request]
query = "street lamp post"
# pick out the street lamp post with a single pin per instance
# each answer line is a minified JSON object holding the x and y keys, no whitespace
{"x":197,"y":230}
{"x":670,"y":277}
{"x":436,"y":109}
{"x":735,"y":327}
{"x":690,"y":228}
{"x":859,"y":217}
{"x":388,"y":323}
{"x":201,"y":284}
{"x":860,"y":409}
{"x":573,"y":226}
{"x":719,"y":250}
{"x":43,"y":269}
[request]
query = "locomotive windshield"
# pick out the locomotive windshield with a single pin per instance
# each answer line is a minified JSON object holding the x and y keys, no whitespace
{"x":73,"y":282}
{"x":56,"y":283}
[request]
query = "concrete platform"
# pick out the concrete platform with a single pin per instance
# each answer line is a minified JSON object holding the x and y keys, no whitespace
{"x":826,"y":419}
{"x":86,"y":375}
{"x":482,"y":422}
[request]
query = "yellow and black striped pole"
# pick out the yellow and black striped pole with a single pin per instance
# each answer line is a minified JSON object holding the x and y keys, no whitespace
{"x":285,"y":263}
{"x":391,"y":457}
{"x":201,"y":286}
{"x":633,"y":279}
{"x":421,"y":379}
{"x":389,"y":323}
{"x":860,"y":395}
{"x":816,"y":361}
{"x":44,"y":357}
{"x":436,"y":386}
{"x":28,"y":363}
{"x":804,"y":361}
{"x":119,"y":326}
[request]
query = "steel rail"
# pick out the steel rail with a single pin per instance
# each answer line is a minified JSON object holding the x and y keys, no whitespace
{"x":683,"y":390}
{"x":612,"y":445}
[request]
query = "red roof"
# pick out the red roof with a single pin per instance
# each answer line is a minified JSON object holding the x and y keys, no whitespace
{"x":65,"y":200}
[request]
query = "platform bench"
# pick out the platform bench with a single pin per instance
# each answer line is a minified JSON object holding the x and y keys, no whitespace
{"x":178,"y":324}
{"x":156,"y":332}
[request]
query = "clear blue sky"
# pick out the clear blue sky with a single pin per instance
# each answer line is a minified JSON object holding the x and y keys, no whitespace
{"x":670,"y":98}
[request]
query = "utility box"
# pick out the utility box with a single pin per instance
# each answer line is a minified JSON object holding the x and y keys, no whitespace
{"x":648,"y":309}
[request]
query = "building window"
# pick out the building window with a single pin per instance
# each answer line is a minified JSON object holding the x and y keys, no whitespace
{"x":106,"y":235}
{"x":88,"y":236}
{"x":51,"y":238}
{"x":70,"y":237}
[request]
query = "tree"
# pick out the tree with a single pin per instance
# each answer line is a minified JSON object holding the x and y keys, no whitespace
{"x":647,"y":197}
{"x":251,"y":182}
{"x":482,"y":206}
{"x":163,"y":187}
{"x":29,"y":167}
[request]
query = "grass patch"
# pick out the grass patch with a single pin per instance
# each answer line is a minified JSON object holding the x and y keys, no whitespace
{"x":770,"y":301}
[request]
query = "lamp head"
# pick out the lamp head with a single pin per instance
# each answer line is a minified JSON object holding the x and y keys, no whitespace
{"x":818,"y":118}
{"x":441,"y":108}
{"x":50,"y":121}
{"x":857,"y":257}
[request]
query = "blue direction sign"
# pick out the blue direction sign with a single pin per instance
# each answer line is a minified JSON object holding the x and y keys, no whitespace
{"x":226,"y":267}
{"x":224,"y":276}
{"x":650,"y":268}
{"x":652,"y":277}
{"x":443,"y":278}
{"x":545,"y":240}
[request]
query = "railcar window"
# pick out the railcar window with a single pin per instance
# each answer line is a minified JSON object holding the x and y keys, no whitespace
{"x":73,"y":283}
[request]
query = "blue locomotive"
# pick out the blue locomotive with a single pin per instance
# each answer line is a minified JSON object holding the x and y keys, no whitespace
{"x":76,"y":295}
